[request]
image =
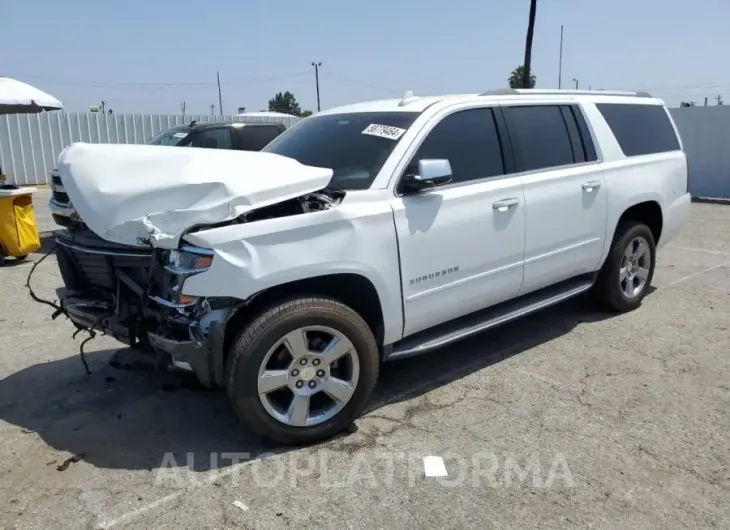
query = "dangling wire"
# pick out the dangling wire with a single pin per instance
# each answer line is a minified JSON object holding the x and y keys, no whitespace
{"x":59,"y":310}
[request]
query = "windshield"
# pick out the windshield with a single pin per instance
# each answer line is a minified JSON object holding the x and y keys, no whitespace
{"x":168,"y":137}
{"x":355,"y":146}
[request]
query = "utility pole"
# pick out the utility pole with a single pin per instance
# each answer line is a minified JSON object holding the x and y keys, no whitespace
{"x":576,"y":83}
{"x":220,"y":98}
{"x":316,"y":78}
{"x":528,"y":45}
{"x":560,"y":63}
{"x":212,"y":109}
{"x":103,"y":106}
{"x":705,"y":101}
{"x":182,"y":107}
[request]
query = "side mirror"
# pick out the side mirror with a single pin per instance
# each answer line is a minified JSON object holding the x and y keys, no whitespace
{"x":431,"y":173}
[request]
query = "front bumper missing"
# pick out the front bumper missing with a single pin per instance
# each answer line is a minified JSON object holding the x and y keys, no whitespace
{"x":203,"y":357}
{"x":202,"y":354}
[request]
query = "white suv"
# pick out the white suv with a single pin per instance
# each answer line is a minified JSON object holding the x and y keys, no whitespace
{"x":367,"y":233}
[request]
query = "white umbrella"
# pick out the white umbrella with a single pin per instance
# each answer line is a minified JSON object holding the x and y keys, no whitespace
{"x":17,"y":97}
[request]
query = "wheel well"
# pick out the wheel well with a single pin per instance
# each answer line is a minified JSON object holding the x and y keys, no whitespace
{"x":649,"y":213}
{"x":352,"y":290}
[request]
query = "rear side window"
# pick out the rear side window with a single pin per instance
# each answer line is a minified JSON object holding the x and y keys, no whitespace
{"x":540,"y":137}
{"x":640,"y":129}
{"x":255,"y":137}
{"x":468,"y":139}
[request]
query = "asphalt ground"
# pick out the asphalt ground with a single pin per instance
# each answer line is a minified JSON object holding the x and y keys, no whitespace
{"x":572,"y":417}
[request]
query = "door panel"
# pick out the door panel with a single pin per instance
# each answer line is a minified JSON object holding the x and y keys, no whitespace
{"x":459,"y":251}
{"x":566,"y":224}
{"x":565,"y":192}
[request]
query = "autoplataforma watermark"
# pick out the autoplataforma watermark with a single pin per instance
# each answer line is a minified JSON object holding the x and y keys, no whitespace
{"x":327,"y":468}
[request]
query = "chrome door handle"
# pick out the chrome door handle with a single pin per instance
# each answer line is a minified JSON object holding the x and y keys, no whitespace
{"x":590,"y":186}
{"x":505,"y":204}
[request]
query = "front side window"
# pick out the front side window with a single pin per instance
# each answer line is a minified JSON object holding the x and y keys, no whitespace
{"x":539,"y":136}
{"x":354,"y":145}
{"x":169,"y":137}
{"x":468,"y":139}
{"x":216,"y":138}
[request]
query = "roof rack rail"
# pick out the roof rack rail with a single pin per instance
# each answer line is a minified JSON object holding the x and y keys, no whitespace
{"x":555,"y":91}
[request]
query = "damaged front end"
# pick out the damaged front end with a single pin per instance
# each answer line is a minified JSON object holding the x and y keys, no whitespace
{"x":135,"y":295}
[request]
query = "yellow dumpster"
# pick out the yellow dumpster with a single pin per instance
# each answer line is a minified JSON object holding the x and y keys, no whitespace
{"x":18,"y":229}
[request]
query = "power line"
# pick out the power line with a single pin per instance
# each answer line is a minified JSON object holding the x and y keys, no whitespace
{"x":162,"y":84}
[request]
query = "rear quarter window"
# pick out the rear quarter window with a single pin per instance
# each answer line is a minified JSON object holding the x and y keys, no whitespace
{"x":640,"y":129}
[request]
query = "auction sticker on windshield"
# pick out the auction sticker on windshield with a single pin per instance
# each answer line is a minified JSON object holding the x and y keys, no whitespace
{"x":384,"y":131}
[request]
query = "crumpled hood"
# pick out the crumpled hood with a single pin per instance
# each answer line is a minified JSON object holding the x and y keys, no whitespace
{"x":131,"y":193}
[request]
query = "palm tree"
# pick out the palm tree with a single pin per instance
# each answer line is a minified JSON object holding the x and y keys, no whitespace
{"x":528,"y":46}
{"x":516,"y":78}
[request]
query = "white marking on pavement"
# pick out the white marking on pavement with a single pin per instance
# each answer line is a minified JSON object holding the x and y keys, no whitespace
{"x":675,"y":282}
{"x":698,"y":250}
{"x":239,"y":504}
{"x":139,"y":511}
{"x":434,"y":466}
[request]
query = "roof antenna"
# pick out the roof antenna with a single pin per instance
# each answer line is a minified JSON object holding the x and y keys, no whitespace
{"x":407,"y":98}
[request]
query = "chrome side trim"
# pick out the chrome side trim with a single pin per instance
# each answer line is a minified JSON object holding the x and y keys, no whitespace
{"x":173,"y":305}
{"x":64,"y":210}
{"x":182,"y":272}
{"x":88,"y":250}
{"x":197,"y":250}
{"x":458,"y":335}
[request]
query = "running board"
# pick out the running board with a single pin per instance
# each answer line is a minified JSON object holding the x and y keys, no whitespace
{"x":466,"y":326}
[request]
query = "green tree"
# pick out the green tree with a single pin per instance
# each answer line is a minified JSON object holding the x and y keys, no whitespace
{"x":306,"y":113}
{"x":285,"y":103}
{"x":515,"y":78}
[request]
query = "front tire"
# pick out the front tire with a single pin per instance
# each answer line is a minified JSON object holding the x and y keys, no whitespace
{"x":626,"y":275}
{"x":303,"y":370}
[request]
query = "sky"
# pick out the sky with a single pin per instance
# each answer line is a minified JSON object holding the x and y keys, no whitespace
{"x":149,"y":56}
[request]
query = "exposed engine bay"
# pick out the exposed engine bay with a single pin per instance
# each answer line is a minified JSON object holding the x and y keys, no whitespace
{"x":134,"y":293}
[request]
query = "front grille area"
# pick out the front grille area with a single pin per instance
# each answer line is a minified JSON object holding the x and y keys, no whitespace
{"x":100,"y":271}
{"x":58,"y":195}
{"x":99,"y":267}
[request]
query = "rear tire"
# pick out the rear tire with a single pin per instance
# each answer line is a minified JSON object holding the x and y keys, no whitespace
{"x":626,"y":275}
{"x":303,"y":370}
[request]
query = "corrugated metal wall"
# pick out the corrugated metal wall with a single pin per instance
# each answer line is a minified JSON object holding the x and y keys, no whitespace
{"x":30,"y":143}
{"x":705,"y":133}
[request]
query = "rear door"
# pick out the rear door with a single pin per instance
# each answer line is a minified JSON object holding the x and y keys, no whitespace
{"x":255,"y":137}
{"x":565,"y":192}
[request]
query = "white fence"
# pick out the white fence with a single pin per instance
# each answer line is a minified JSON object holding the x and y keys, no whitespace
{"x":705,"y":134}
{"x":30,"y":143}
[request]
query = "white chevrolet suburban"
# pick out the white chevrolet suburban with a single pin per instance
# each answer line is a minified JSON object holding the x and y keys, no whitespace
{"x":364,"y":234}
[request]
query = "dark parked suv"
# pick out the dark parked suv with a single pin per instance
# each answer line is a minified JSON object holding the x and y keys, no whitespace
{"x":220,"y":135}
{"x":212,"y":135}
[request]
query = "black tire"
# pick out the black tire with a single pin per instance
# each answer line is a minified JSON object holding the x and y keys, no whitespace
{"x":252,"y":344}
{"x":607,"y":289}
{"x":21,"y":258}
{"x":2,"y":257}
